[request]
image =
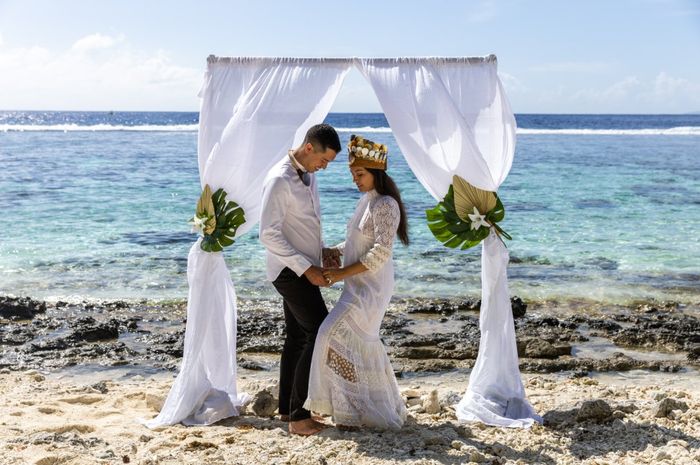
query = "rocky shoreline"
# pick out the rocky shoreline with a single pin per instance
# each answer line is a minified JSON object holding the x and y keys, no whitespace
{"x":421,"y":335}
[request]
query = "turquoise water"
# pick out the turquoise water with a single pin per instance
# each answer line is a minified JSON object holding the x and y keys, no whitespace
{"x":103,"y":213}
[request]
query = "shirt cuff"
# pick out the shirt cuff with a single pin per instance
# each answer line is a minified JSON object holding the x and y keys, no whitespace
{"x":298,"y":264}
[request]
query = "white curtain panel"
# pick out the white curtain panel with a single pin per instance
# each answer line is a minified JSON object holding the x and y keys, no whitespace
{"x":495,"y":394}
{"x":253,"y":110}
{"x":451,"y":116}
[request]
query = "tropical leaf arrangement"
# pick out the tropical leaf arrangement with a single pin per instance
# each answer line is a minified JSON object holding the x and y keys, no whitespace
{"x":217,"y":219}
{"x":465,"y":216}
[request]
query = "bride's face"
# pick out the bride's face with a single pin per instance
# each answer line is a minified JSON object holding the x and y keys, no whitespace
{"x":363,"y":179}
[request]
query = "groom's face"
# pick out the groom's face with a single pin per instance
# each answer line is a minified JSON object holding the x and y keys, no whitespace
{"x":318,"y":160}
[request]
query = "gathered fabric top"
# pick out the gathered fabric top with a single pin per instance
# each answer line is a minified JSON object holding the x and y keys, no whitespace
{"x":213,"y":59}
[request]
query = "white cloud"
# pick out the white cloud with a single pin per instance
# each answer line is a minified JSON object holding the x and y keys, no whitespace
{"x":667,"y":86}
{"x":620,"y":90}
{"x":98,"y":72}
{"x":511,"y":83}
{"x":1,"y":40}
{"x":661,"y":94}
{"x":94,"y":42}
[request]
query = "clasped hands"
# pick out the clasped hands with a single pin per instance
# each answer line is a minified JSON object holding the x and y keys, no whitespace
{"x":331,"y":271}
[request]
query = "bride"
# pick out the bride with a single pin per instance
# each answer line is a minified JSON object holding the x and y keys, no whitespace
{"x":351,"y":377}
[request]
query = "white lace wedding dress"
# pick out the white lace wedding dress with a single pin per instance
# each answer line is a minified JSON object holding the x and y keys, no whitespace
{"x":351,"y":377}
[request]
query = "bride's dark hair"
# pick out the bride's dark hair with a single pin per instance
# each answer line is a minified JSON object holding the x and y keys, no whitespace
{"x":384,"y":185}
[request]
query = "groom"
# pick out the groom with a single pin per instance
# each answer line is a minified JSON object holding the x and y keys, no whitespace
{"x":290,"y":230}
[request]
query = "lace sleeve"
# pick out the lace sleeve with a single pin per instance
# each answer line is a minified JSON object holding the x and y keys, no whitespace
{"x":386,"y":217}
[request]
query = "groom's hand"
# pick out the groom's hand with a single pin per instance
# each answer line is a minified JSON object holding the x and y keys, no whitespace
{"x":315,"y":276}
{"x":333,"y":275}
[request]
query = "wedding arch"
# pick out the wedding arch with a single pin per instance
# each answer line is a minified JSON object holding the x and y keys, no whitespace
{"x":450,"y":116}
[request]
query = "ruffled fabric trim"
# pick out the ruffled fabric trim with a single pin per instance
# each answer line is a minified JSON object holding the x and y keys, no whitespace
{"x":376,"y":257}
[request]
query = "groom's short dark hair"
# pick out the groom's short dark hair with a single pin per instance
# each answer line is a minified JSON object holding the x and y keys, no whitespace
{"x":323,"y":137}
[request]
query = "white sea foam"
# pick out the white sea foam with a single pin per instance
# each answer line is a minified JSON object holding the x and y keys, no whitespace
{"x":677,"y":131}
{"x":98,"y":127}
{"x":363,"y":130}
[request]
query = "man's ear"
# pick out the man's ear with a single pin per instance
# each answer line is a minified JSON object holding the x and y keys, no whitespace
{"x":309,"y":147}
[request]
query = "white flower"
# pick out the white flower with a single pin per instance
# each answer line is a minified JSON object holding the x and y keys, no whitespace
{"x":478,"y":220}
{"x":365,"y":151}
{"x":371,"y":153}
{"x":198,"y":223}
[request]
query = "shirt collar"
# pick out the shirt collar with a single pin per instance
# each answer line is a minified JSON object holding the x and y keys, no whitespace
{"x":295,"y":163}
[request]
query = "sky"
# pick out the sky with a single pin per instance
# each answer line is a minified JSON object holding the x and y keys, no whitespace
{"x":554,"y":56}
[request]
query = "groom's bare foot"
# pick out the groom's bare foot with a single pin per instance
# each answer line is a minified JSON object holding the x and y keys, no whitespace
{"x":305,"y":427}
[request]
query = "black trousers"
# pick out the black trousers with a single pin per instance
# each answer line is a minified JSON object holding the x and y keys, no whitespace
{"x":304,"y":311}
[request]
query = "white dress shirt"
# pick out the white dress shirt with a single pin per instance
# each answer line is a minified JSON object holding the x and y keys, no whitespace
{"x":290,"y":222}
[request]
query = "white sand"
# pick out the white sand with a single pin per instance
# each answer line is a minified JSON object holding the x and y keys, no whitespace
{"x":53,"y":420}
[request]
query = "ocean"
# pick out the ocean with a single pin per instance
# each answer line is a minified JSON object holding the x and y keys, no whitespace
{"x":601,"y":208}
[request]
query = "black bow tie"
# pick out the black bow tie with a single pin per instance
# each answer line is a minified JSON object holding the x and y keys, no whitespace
{"x":304,"y":176}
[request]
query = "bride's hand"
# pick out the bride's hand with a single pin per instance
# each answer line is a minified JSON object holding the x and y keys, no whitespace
{"x":331,"y":258}
{"x":333,"y":275}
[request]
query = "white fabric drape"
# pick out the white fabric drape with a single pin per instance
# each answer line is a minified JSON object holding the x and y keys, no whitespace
{"x":252,"y":112}
{"x":452,"y":117}
{"x":495,"y":395}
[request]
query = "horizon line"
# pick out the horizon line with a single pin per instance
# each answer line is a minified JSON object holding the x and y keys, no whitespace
{"x":357,"y":112}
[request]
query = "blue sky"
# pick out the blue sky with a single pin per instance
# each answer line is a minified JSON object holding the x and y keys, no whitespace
{"x":594,"y":56}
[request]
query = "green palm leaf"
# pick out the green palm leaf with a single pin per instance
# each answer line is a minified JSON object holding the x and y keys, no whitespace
{"x":229,"y":217}
{"x":454,"y":232}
